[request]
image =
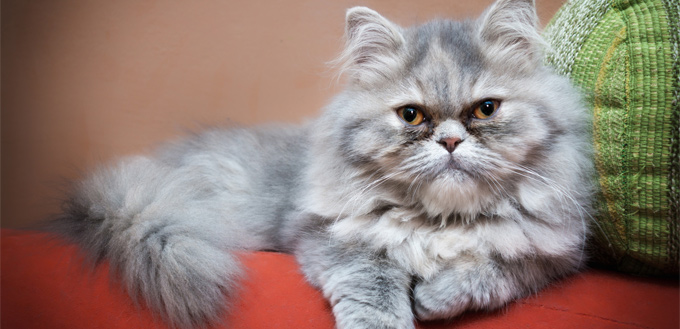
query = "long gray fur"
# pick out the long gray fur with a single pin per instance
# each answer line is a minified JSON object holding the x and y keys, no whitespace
{"x":382,"y":218}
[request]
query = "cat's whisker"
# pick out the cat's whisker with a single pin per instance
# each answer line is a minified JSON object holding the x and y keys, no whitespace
{"x":491,"y":179}
{"x":562,"y":192}
{"x":419,"y":184}
{"x":488,"y":183}
{"x":495,"y":185}
{"x":416,"y":180}
{"x":358,"y":196}
{"x":559,"y":189}
{"x":414,"y":162}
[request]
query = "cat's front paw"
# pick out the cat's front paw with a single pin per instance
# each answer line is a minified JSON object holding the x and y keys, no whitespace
{"x":351,"y":313}
{"x":373,"y":323}
{"x":432,"y":302}
{"x":480,"y":286}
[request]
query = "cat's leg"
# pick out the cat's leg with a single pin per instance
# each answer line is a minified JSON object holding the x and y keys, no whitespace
{"x":365,"y":289}
{"x":475,"y":282}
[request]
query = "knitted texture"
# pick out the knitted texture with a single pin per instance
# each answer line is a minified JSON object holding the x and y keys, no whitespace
{"x":624,"y":55}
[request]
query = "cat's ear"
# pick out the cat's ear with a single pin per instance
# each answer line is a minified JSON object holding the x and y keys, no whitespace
{"x":509,"y":29}
{"x":372,"y":45}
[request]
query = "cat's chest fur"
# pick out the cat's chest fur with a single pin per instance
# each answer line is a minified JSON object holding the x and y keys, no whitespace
{"x":423,"y":248}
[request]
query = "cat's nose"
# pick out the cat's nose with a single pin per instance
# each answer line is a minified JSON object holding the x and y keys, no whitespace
{"x":450,"y":143}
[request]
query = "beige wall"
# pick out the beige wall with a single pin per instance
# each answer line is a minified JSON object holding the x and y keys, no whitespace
{"x":84,"y":81}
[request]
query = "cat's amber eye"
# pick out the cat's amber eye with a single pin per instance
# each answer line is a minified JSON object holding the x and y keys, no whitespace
{"x":411,"y":115}
{"x":486,"y":109}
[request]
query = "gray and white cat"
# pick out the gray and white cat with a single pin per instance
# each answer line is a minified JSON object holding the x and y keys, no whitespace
{"x":451,"y":174}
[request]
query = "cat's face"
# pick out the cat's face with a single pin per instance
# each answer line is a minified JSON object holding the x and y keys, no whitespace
{"x":445,"y":110}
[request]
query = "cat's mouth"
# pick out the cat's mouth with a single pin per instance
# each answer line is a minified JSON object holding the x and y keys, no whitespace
{"x":453,"y":166}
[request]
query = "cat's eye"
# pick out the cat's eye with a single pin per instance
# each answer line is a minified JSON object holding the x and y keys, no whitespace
{"x":486,"y":109}
{"x":411,"y":115}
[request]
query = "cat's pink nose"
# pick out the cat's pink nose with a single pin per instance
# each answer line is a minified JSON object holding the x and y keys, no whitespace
{"x":450,"y":143}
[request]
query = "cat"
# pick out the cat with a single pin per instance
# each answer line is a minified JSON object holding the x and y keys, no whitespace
{"x":452,"y":173}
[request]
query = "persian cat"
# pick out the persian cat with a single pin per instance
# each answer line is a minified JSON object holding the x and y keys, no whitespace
{"x":451,"y":174}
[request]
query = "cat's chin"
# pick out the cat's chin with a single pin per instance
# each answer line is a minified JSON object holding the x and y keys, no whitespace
{"x":454,"y":192}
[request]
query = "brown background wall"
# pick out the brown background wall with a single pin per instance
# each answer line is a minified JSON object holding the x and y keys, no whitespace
{"x":85,"y":81}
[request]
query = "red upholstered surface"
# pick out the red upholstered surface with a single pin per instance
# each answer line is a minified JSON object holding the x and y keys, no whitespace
{"x":44,"y":286}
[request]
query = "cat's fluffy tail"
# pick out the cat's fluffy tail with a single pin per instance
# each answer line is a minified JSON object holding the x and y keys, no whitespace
{"x":162,"y":231}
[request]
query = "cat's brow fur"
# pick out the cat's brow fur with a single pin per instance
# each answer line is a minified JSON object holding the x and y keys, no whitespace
{"x":387,"y":222}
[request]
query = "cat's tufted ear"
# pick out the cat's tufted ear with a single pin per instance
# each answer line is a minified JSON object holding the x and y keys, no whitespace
{"x":372,"y":44}
{"x":510,"y":29}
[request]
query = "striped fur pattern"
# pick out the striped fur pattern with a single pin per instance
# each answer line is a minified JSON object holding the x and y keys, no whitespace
{"x":393,"y":221}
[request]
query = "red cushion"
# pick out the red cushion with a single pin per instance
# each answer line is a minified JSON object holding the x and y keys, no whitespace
{"x":45,"y":286}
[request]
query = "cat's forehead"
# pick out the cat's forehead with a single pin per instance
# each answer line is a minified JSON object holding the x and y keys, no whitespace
{"x":444,"y":60}
{"x":444,"y":41}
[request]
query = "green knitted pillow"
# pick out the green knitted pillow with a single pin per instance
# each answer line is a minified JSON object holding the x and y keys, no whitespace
{"x":624,"y":55}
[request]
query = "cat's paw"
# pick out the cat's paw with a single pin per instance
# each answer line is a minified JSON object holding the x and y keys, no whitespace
{"x":352,"y":314}
{"x":480,"y":286}
{"x":432,"y":301}
{"x":374,"y":323}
